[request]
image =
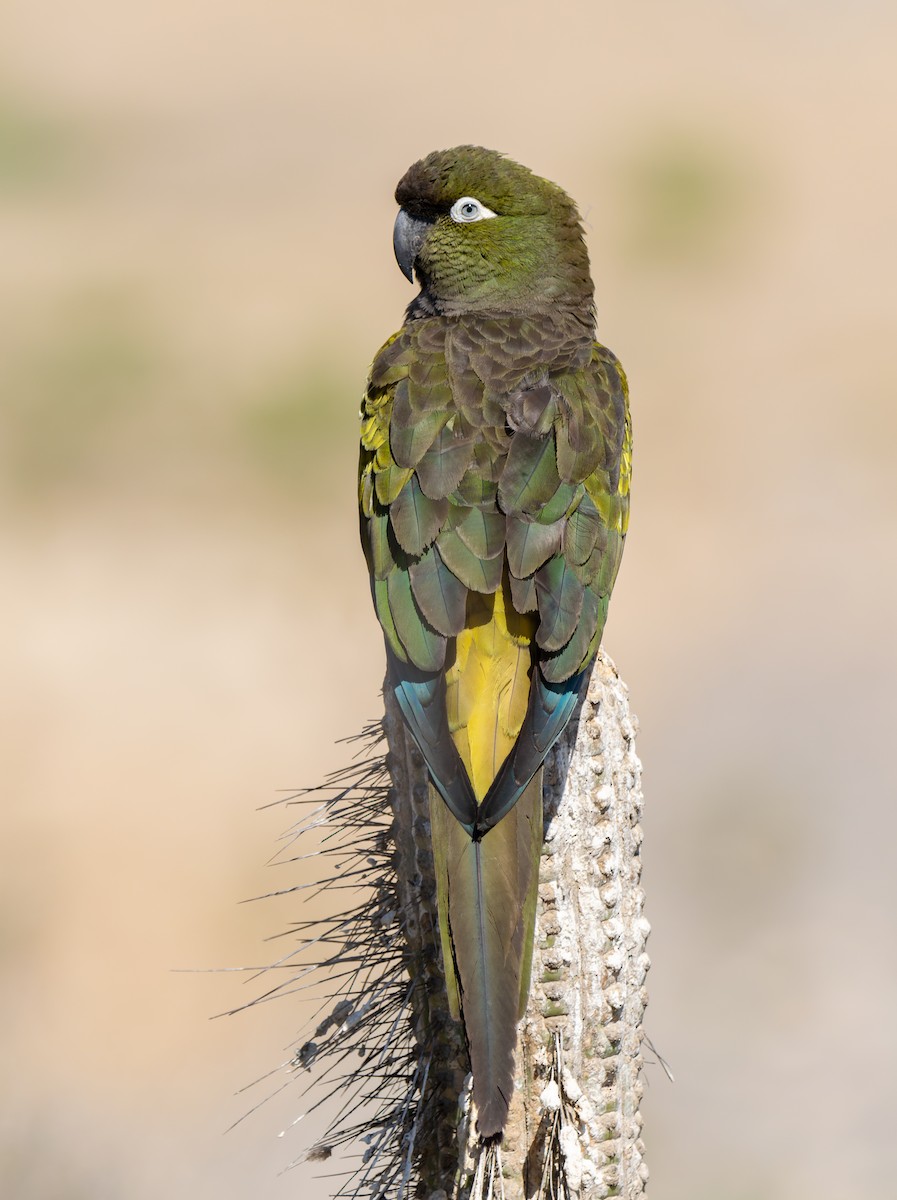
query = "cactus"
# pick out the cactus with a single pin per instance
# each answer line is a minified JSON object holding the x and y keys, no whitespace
{"x":384,"y":1050}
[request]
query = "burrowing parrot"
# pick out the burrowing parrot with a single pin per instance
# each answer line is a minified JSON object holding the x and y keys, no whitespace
{"x":494,"y":496}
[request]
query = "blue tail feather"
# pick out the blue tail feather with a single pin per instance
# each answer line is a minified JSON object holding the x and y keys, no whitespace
{"x":421,"y":698}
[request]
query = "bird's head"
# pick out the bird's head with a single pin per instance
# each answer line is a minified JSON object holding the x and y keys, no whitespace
{"x":484,"y":234}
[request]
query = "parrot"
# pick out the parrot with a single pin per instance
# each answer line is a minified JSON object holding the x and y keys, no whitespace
{"x":494,"y":475}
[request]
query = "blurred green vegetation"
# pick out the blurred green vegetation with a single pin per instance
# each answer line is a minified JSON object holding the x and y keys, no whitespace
{"x":36,"y":151}
{"x":290,"y":428}
{"x":684,"y":198}
{"x":69,"y":388}
{"x":85,"y":394}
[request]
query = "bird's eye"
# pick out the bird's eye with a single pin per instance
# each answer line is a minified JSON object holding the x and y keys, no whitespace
{"x":469,"y":209}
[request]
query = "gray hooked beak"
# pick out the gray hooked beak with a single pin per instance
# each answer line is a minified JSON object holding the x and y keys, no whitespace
{"x":407,"y":238}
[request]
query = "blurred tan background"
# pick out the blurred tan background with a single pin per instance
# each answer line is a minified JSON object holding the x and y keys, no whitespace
{"x":195,"y":270}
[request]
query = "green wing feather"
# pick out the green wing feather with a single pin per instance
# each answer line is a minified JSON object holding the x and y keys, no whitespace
{"x":440,"y":594}
{"x":530,"y":544}
{"x":530,"y":476}
{"x":523,"y":594}
{"x":482,"y":532}
{"x":478,"y":574}
{"x":415,"y":518}
{"x":443,"y":466}
{"x":560,"y":595}
{"x":423,"y":645}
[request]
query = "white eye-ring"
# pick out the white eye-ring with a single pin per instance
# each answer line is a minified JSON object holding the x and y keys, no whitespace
{"x":469,"y":209}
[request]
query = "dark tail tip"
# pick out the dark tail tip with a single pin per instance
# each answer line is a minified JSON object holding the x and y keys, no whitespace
{"x":492,"y":1116}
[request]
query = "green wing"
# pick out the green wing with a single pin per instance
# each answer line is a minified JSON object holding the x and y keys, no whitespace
{"x":466,"y":470}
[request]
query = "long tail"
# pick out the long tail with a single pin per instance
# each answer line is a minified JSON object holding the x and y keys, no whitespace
{"x":487,"y":893}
